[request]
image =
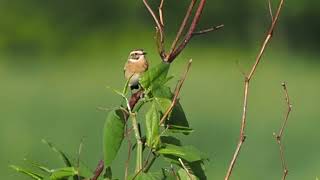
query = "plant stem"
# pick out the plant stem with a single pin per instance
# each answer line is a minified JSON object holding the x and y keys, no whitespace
{"x":139,"y":142}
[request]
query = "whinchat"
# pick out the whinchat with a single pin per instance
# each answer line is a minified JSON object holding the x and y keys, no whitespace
{"x":136,"y":65}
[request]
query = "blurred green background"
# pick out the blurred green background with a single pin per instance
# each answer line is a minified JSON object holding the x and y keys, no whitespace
{"x":57,"y":57}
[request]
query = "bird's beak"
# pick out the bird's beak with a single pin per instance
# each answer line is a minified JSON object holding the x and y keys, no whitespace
{"x":144,"y":53}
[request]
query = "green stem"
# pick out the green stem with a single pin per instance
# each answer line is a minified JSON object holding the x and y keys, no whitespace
{"x":139,"y":142}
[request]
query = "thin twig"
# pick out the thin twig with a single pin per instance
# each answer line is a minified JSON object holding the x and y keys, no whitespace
{"x":270,"y":9}
{"x":208,"y":30}
{"x":160,"y":12}
{"x":188,"y":36}
{"x":174,"y":172}
{"x":279,"y":135}
{"x":182,"y":26}
{"x":176,"y":93}
{"x":159,"y":27}
{"x":185,"y":168}
{"x":246,"y":88}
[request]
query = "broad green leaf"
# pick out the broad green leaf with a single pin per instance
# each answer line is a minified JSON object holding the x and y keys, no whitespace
{"x":113,"y":135}
{"x":183,"y":175}
{"x":179,"y":129}
{"x":62,"y":173}
{"x":61,"y":153}
{"x":163,"y":104}
{"x":187,"y":153}
{"x":170,"y":140}
{"x":162,"y":92}
{"x":163,"y":97}
{"x":168,"y":174}
{"x":108,"y":174}
{"x":27,"y":172}
{"x":178,"y":117}
{"x":195,"y":169}
{"x":198,"y":169}
{"x":155,"y":76}
{"x":152,"y":126}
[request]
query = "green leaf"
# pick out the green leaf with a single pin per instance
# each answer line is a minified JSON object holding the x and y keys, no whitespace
{"x":152,"y":126}
{"x":62,"y":173}
{"x":178,"y":118}
{"x":155,"y":76}
{"x":179,"y":129}
{"x":37,"y":165}
{"x":27,"y":172}
{"x":162,"y":92}
{"x":61,"y":153}
{"x":163,"y":97}
{"x":113,"y":135}
{"x":183,"y":175}
{"x":170,"y":140}
{"x":149,"y":176}
{"x":108,"y":173}
{"x":187,"y":153}
{"x":168,"y":174}
{"x":195,"y":169}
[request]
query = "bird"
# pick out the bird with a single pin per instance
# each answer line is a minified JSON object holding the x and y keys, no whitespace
{"x":135,"y":66}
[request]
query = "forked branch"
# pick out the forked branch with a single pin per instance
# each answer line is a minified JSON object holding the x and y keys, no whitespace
{"x":247,"y":79}
{"x":178,"y":44}
{"x":279,"y":135}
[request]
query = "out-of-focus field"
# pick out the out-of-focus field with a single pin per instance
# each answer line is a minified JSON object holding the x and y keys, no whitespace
{"x":58,"y":57}
{"x":58,"y":101}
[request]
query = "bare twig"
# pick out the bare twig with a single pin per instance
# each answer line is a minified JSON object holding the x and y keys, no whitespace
{"x":182,"y":26}
{"x":98,"y":170}
{"x":159,"y":28}
{"x":208,"y":30}
{"x":188,"y":36}
{"x":279,"y":135}
{"x":160,"y":12}
{"x":174,"y":50}
{"x":270,"y":9}
{"x":185,"y":168}
{"x":246,"y":88}
{"x":176,"y":93}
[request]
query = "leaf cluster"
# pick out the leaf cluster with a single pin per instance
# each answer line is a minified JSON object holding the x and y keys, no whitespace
{"x":161,"y":139}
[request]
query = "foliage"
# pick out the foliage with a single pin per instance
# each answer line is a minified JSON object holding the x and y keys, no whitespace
{"x":160,"y":139}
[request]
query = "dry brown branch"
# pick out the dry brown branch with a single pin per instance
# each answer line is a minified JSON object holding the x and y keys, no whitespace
{"x":188,"y":36}
{"x":270,"y":9}
{"x":160,"y":12}
{"x":178,"y":44}
{"x":176,"y":93}
{"x":279,"y":135}
{"x":182,"y":26}
{"x":208,"y":30}
{"x":246,"y":89}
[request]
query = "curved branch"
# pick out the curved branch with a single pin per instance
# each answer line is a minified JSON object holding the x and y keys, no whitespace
{"x":246,"y":89}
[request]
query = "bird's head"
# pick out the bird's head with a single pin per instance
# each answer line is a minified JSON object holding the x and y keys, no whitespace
{"x":137,"y":55}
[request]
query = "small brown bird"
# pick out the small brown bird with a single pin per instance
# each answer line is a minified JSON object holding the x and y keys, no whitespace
{"x":136,"y":65}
